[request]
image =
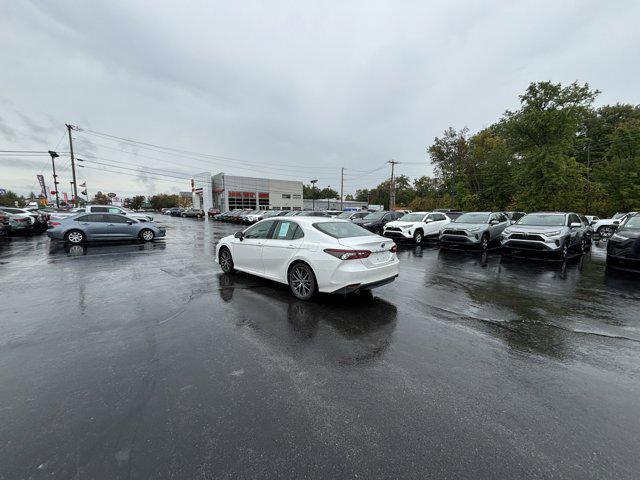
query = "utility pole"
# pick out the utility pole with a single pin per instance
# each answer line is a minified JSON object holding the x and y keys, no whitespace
{"x":54,"y":155}
{"x":392,"y":193}
{"x":588,"y":199}
{"x":341,"y":186}
{"x":73,"y":165}
{"x":313,"y":193}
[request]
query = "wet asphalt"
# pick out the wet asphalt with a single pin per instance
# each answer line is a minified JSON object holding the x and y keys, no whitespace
{"x":144,"y":361}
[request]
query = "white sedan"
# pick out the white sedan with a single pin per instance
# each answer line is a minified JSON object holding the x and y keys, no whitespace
{"x":311,"y":254}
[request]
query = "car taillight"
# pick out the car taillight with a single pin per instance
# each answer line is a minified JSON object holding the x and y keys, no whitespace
{"x":347,"y":254}
{"x":53,"y":224}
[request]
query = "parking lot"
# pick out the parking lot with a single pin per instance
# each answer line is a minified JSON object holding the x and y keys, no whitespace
{"x":145,"y":361}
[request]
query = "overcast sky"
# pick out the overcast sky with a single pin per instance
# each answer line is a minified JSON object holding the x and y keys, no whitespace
{"x":295,"y":89}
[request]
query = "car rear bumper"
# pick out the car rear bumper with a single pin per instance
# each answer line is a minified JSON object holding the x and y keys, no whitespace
{"x":364,"y":286}
{"x":353,"y":276}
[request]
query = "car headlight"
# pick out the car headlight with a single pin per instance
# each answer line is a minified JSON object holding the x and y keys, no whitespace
{"x":555,"y":233}
{"x":617,"y":236}
{"x":405,"y":227}
{"x":506,"y":231}
{"x":367,"y":224}
{"x":473,"y":229}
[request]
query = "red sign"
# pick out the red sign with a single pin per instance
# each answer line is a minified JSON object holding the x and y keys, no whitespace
{"x":263,"y":195}
{"x":248,"y":194}
{"x":235,"y":194}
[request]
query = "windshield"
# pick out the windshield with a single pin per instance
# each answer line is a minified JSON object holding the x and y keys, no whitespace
{"x":345,"y":215}
{"x":543,"y":220}
{"x":619,"y":215}
{"x":374,"y":216}
{"x":342,"y":229}
{"x":473,"y":218}
{"x":411,"y":217}
{"x":633,"y":222}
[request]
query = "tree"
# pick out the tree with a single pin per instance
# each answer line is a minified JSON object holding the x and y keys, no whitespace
{"x":10,"y":198}
{"x":101,"y":199}
{"x":449,"y":155}
{"x":349,"y":197}
{"x":543,"y":135}
{"x":136,"y":202}
{"x":163,"y":200}
{"x":184,"y":202}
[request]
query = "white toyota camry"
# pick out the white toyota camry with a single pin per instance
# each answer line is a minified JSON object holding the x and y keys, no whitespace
{"x":311,"y":254}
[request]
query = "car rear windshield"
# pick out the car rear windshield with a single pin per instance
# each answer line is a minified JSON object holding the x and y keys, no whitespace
{"x":345,"y":215}
{"x":375,"y":216}
{"x":473,"y":218}
{"x":341,"y":229}
{"x":542,"y":220}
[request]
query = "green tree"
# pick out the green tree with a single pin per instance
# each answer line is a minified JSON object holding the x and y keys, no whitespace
{"x":101,"y":199}
{"x":10,"y":198}
{"x":136,"y":202}
{"x":449,"y":156}
{"x":543,"y":135}
{"x":163,"y":200}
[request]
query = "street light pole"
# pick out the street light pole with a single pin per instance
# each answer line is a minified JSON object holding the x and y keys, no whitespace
{"x":54,"y":155}
{"x":313,"y":193}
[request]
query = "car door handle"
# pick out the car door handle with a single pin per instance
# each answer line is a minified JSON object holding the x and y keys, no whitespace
{"x":291,"y":245}
{"x":85,"y":224}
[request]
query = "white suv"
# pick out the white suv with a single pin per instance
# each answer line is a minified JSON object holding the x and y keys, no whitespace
{"x":416,"y":226}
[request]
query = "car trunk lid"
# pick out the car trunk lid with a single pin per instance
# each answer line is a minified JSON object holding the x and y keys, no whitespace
{"x":379,"y":247}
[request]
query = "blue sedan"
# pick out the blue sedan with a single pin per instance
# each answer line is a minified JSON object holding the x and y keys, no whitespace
{"x":103,"y":226}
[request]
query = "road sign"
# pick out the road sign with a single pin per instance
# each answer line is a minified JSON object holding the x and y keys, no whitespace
{"x":111,"y":195}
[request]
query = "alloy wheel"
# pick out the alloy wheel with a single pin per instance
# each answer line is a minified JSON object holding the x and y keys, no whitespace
{"x":75,"y":237}
{"x":485,"y":242}
{"x":147,"y":235}
{"x":605,"y":232}
{"x":226,"y":262}
{"x":301,"y":281}
{"x":418,"y":238}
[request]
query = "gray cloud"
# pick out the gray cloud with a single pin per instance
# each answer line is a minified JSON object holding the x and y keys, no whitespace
{"x":317,"y":86}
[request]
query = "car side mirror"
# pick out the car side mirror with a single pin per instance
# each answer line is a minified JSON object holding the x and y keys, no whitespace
{"x":428,"y":220}
{"x":575,"y":225}
{"x":494,"y":222}
{"x":239,"y":235}
{"x":129,"y":222}
{"x":616,"y":222}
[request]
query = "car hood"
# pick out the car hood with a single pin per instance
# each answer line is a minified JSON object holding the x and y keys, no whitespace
{"x":398,"y":223}
{"x":532,"y":228}
{"x":629,"y":232}
{"x":465,"y":226}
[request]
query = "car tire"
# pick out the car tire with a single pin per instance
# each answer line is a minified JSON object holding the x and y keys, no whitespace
{"x":199,"y":216}
{"x":184,"y":215}
{"x":302,"y":281}
{"x":418,"y":237}
{"x":563,"y":253}
{"x":75,"y":237}
{"x":606,"y":231}
{"x":484,"y":242}
{"x":146,"y":235}
{"x":226,"y":261}
{"x":585,"y":244}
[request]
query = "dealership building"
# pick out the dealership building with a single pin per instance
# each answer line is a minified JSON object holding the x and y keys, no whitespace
{"x":228,"y":192}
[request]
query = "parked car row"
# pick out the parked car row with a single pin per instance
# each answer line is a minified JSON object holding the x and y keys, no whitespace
{"x":21,"y":220}
{"x":342,"y":255}
{"x":184,"y":212}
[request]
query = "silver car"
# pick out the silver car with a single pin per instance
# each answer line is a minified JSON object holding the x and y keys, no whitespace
{"x":556,"y":233}
{"x":101,"y":227}
{"x":475,"y":229}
